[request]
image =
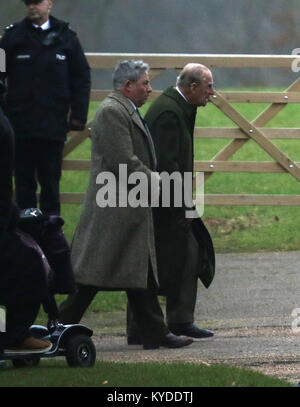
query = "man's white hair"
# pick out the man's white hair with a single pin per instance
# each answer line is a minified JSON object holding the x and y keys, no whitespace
{"x":191,"y":73}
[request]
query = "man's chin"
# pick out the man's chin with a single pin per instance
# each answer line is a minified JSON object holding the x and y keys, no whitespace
{"x":141,"y":103}
{"x":33,"y":17}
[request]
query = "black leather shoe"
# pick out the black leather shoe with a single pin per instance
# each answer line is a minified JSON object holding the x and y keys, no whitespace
{"x":168,"y":341}
{"x":190,"y":330}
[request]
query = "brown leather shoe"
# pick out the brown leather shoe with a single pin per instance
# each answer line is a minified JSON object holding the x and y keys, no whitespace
{"x":31,"y":345}
{"x":168,"y":341}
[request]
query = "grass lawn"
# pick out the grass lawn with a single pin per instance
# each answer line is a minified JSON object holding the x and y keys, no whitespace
{"x":105,"y":374}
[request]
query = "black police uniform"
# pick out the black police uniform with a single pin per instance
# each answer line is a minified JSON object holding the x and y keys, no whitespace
{"x":47,"y":76}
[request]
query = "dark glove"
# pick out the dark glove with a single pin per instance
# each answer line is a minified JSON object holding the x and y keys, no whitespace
{"x":75,"y":125}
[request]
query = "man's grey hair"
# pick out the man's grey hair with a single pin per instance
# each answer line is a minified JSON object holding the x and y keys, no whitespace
{"x":128,"y":70}
{"x":191,"y":73}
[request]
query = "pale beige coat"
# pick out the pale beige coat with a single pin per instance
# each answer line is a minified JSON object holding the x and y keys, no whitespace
{"x":112,"y":245}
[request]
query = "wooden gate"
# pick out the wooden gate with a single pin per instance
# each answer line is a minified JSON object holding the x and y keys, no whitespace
{"x":247,"y":130}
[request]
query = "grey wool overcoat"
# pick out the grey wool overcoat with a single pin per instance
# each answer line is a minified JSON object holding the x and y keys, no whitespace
{"x":113,"y":245}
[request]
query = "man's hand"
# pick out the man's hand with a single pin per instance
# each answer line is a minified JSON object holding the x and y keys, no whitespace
{"x":75,"y":125}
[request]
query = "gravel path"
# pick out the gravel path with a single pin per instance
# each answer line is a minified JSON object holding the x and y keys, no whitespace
{"x":249,"y":306}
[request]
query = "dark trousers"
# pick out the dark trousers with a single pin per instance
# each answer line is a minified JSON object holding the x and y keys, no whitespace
{"x":180,"y":303}
{"x":19,"y":318}
{"x":143,"y":303}
{"x":38,"y":160}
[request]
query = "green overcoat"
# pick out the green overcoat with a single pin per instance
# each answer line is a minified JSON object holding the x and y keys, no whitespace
{"x":171,"y":122}
{"x":112,"y":245}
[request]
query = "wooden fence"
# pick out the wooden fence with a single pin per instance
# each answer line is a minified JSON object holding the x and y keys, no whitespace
{"x":247,"y":130}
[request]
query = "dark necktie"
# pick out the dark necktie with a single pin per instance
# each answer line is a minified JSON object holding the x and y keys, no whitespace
{"x":149,"y":138}
{"x":142,"y":120}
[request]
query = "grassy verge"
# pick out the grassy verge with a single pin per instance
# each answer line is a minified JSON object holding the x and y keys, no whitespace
{"x":105,"y":374}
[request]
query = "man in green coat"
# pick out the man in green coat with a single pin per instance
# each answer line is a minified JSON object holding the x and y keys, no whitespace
{"x":183,"y":246}
{"x":113,"y":246}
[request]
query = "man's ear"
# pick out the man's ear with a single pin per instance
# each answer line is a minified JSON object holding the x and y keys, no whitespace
{"x":193,"y":86}
{"x":127,"y":86}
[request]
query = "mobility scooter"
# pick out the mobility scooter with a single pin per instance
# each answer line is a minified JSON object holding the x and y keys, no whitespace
{"x":71,"y":341}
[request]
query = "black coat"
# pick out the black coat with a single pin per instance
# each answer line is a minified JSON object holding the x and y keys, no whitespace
{"x":6,"y":167}
{"x":171,"y":122}
{"x":47,"y":74}
{"x":23,"y":277}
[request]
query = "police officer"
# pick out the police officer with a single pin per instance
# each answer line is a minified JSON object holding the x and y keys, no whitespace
{"x":47,"y":76}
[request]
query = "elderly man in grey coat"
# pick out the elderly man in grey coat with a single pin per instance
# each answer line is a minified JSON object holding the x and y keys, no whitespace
{"x":113,"y":246}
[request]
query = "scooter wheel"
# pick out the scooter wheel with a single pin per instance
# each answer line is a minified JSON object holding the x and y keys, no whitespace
{"x":26,"y":362}
{"x":80,"y":351}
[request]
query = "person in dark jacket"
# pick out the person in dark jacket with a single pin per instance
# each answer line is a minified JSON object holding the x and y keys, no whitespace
{"x":47,"y":76}
{"x":23,"y":277}
{"x":184,"y":248}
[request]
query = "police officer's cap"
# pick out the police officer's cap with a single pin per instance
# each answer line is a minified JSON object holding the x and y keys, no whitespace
{"x":32,"y":1}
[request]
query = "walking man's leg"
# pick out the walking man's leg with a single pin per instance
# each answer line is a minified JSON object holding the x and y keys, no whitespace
{"x":180,"y":305}
{"x":72,"y":310}
{"x":149,"y":318}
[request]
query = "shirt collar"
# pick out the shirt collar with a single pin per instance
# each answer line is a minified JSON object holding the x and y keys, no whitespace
{"x":179,"y":91}
{"x":44,"y":26}
{"x":134,"y":106}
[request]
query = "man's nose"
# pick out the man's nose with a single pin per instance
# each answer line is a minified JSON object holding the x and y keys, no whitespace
{"x":149,"y":90}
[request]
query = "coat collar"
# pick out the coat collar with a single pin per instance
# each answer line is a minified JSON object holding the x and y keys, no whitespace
{"x":55,"y":23}
{"x":129,"y":107}
{"x":188,"y":109}
{"x":136,"y":119}
{"x":24,"y":29}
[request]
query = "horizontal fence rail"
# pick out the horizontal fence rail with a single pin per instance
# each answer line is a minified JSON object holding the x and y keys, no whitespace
{"x":238,"y":136}
{"x":177,"y":61}
{"x":237,"y":97}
